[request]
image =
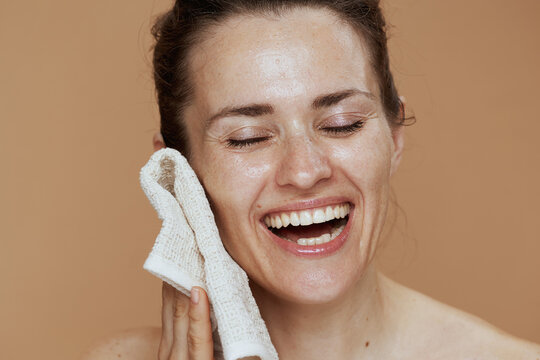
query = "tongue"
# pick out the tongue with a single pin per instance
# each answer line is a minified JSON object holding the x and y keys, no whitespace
{"x":304,"y":232}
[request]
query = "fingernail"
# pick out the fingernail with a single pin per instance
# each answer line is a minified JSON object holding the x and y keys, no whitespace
{"x":195,"y":295}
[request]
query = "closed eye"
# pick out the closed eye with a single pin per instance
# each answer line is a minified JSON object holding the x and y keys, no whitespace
{"x":344,"y":130}
{"x":241,"y":143}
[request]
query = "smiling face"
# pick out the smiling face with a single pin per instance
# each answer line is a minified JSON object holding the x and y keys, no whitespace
{"x":286,"y":127}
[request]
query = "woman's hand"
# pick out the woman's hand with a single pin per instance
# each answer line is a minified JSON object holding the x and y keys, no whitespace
{"x":186,"y":332}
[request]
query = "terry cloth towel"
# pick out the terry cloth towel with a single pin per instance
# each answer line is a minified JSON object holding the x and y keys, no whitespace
{"x":188,"y":252}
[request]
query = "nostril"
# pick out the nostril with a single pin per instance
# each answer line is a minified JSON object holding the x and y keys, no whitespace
{"x":303,"y":164}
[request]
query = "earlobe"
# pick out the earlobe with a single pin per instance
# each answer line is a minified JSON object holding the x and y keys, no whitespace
{"x":158,"y":142}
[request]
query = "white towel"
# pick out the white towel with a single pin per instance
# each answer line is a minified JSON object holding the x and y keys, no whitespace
{"x":188,"y":252}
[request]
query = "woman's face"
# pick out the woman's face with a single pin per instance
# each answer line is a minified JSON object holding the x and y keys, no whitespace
{"x":286,"y":123}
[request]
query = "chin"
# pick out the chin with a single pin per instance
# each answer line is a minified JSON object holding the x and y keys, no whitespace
{"x":313,"y":286}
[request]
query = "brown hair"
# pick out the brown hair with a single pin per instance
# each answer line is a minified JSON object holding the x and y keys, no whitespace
{"x":179,"y":29}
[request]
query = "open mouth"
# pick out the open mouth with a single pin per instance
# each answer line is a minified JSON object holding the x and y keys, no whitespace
{"x":309,"y":227}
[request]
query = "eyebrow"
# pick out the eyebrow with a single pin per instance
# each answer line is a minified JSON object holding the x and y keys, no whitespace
{"x":254,"y":110}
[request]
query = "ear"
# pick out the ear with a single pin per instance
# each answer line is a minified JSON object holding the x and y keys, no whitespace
{"x":398,"y":137}
{"x":157,"y":141}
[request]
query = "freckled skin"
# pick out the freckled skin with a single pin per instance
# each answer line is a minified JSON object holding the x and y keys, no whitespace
{"x":287,"y":63}
{"x":338,"y":307}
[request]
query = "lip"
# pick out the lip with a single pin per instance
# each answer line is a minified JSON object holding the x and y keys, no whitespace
{"x":313,"y":251}
{"x":309,"y":204}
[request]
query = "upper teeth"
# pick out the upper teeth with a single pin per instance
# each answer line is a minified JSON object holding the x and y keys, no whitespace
{"x":307,"y":217}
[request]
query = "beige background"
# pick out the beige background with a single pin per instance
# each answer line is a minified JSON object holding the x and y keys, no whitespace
{"x":77,"y":113}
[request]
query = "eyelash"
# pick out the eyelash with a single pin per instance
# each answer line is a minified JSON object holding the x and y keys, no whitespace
{"x":238,"y":144}
{"x":341,"y":130}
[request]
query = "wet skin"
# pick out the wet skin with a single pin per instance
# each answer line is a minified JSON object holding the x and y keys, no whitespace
{"x":287,"y":150}
{"x":300,"y":149}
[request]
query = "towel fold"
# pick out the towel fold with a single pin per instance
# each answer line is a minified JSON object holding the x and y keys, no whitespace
{"x":188,"y":252}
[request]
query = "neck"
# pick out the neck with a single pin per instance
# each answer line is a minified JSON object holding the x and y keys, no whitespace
{"x":349,"y":327}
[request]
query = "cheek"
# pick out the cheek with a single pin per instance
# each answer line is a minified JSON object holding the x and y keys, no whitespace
{"x":233,"y":183}
{"x":365,"y":161}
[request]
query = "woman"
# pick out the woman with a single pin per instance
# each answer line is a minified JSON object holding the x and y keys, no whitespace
{"x":286,"y":109}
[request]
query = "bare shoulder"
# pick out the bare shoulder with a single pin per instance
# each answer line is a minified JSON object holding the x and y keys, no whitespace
{"x":133,"y":344}
{"x":449,"y":333}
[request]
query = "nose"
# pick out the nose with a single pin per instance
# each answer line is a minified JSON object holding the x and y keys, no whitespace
{"x":303,"y":164}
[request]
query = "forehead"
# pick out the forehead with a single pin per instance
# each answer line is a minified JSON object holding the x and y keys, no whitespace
{"x":287,"y":59}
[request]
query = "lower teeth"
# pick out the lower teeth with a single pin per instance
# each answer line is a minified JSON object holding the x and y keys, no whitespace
{"x":321,"y":239}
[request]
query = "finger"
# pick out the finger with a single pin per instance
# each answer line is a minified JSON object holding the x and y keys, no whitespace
{"x":167,"y":309}
{"x":180,"y":323}
{"x":199,"y":338}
